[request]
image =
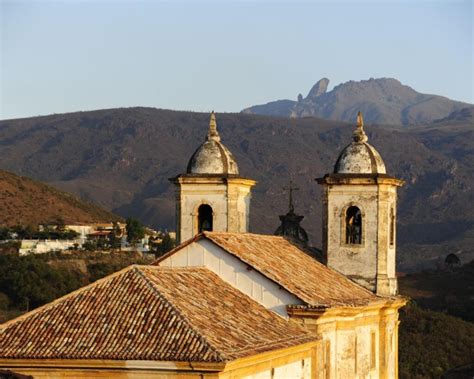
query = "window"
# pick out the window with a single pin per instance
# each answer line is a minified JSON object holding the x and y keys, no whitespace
{"x":204,"y":218}
{"x":392,"y":226}
{"x":353,"y":226}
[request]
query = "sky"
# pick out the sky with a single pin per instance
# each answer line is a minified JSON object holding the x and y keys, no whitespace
{"x":66,"y":56}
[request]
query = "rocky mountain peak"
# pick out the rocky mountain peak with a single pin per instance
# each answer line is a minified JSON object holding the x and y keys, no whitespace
{"x":319,"y":88}
{"x":382,"y":100}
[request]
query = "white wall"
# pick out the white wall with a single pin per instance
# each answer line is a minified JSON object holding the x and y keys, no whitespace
{"x":83,"y":230}
{"x":233,"y":271}
{"x":45,"y":246}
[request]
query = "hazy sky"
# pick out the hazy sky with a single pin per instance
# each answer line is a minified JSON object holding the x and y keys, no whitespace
{"x":81,"y":55}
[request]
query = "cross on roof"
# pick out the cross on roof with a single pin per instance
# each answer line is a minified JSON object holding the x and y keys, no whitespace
{"x":290,"y":188}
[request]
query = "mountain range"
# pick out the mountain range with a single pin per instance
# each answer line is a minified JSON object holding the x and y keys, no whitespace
{"x":121,"y":159}
{"x":382,"y":101}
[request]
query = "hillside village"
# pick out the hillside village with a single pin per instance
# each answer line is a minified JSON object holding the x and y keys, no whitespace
{"x":132,"y":236}
{"x":85,"y":237}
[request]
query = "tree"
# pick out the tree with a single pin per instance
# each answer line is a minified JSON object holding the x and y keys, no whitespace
{"x":135,"y":230}
{"x":23,"y":232}
{"x":4,"y":233}
{"x":452,"y":261}
{"x":166,"y":244}
{"x":60,"y":224}
{"x":115,"y":237}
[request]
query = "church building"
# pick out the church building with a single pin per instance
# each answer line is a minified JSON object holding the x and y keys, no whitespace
{"x":226,"y":303}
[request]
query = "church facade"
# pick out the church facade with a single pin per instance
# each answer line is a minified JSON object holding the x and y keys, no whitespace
{"x":226,"y":303}
{"x":360,"y":338}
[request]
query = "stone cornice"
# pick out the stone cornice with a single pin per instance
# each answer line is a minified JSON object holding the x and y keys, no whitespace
{"x":212,"y":179}
{"x":360,"y":179}
{"x":299,"y":311}
{"x":109,"y":364}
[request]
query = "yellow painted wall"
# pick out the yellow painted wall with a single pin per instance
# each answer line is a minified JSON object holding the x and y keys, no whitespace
{"x":297,"y":362}
{"x":358,"y":342}
{"x":115,"y":374}
{"x":294,"y":362}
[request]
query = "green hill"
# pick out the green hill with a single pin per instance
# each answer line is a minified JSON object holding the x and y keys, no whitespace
{"x":430,"y":343}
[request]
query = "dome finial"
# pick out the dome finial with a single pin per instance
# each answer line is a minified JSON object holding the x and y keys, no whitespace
{"x":212,"y":157}
{"x":212,"y":134}
{"x":360,"y":120}
{"x":359,"y":134}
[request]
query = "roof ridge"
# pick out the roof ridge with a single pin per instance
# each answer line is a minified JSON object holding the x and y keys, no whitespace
{"x":225,"y":162}
{"x":258,"y":235}
{"x":373,"y":161}
{"x":202,"y":235}
{"x":169,"y":268}
{"x":59,"y":300}
{"x":275,"y":280}
{"x":183,"y":318}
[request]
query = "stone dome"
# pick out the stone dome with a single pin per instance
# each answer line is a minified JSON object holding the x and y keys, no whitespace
{"x":212,"y":157}
{"x":359,"y":157}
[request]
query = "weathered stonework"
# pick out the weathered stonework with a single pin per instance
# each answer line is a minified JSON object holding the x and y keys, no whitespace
{"x":358,"y":342}
{"x":359,"y":212}
{"x":212,"y":178}
{"x":228,"y":196}
{"x":359,"y":216}
{"x":212,"y":157}
{"x":371,"y":263}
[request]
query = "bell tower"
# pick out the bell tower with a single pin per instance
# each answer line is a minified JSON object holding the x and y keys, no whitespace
{"x":211,"y":196}
{"x":359,"y":216}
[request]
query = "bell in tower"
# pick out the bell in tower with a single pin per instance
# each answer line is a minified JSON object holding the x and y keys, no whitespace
{"x":359,"y":213}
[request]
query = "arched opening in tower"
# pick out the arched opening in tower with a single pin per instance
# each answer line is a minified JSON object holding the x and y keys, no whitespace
{"x":204,"y":218}
{"x":353,"y":226}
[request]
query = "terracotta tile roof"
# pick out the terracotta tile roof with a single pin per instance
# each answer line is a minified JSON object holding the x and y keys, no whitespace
{"x":150,"y":313}
{"x":292,"y":268}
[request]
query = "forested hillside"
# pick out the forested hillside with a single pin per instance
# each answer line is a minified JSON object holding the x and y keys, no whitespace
{"x":121,"y":159}
{"x":449,"y":290}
